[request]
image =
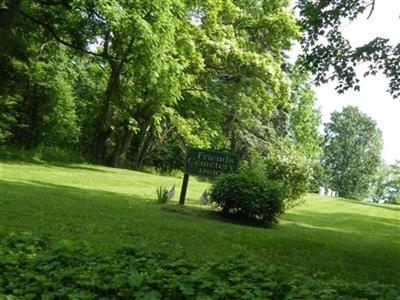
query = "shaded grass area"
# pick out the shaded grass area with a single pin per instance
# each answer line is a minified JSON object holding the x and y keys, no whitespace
{"x":110,"y":207}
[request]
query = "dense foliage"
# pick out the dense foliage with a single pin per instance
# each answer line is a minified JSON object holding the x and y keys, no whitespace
{"x":130,"y":83}
{"x":392,"y":186}
{"x":291,"y":167}
{"x":33,"y":266}
{"x":248,"y":196}
{"x":386,"y":184}
{"x":352,"y":150}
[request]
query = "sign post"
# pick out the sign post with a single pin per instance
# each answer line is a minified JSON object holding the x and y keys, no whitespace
{"x":206,"y":163}
{"x":185,"y":183}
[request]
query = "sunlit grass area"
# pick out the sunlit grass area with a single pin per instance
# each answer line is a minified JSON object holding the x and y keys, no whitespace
{"x":108,"y":207}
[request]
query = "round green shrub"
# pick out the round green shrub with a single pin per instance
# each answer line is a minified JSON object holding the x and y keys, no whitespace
{"x":248,"y":196}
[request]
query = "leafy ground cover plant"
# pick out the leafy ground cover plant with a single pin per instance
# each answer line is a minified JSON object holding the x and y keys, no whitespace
{"x":247,"y":195}
{"x":33,"y":266}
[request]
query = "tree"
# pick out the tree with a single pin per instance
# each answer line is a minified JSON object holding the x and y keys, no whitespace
{"x":329,"y":56}
{"x":240,"y":84}
{"x":378,"y":190}
{"x":138,"y":75}
{"x":36,"y":96}
{"x":303,"y":126}
{"x":393,"y":185}
{"x":386,"y":186}
{"x":139,"y":48}
{"x":303,"y":117}
{"x":352,"y":150}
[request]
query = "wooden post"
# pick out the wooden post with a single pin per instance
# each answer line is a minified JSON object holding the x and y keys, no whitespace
{"x":185,"y":183}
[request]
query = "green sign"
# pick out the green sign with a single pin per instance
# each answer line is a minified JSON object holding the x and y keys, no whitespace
{"x":210,"y":163}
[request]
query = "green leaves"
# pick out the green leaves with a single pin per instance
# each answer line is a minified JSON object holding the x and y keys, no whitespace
{"x":132,"y":273}
{"x":248,"y":196}
{"x":386,"y":184}
{"x":124,"y":78}
{"x":328,"y":55}
{"x":352,"y":149}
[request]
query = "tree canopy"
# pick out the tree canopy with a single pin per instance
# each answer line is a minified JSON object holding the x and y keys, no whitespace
{"x":139,"y":81}
{"x":352,"y":149}
{"x":386,"y":185}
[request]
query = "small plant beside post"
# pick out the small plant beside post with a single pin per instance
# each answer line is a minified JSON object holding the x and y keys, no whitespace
{"x":162,"y":195}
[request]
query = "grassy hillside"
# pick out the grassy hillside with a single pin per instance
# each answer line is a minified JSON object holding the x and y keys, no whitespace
{"x":109,"y":207}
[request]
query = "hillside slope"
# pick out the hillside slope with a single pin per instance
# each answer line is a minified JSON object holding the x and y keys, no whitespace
{"x":108,"y":207}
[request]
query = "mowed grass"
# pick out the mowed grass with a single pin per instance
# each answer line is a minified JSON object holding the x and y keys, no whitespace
{"x":108,"y":207}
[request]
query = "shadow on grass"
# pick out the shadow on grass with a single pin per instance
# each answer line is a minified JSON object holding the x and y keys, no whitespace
{"x":352,"y":255}
{"x":32,"y":161}
{"x":35,"y":194}
{"x":352,"y":223}
{"x":99,"y":217}
{"x":376,"y":205}
{"x":108,"y":220}
{"x":43,"y":196}
{"x":47,"y":192}
{"x":212,"y":214}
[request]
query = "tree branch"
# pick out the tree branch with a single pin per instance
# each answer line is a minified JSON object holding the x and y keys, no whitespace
{"x":372,"y":9}
{"x":54,"y":2}
{"x":194,"y":89}
{"x":61,"y":41}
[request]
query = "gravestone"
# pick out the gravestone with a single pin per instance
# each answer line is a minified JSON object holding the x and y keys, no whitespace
{"x":321,"y":190}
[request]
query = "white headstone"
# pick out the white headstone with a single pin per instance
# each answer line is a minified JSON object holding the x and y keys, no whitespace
{"x":321,"y":190}
{"x":329,"y":192}
{"x":171,"y":193}
{"x":203,"y":198}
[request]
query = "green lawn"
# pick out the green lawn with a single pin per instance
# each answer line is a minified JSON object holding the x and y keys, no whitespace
{"x":108,"y":207}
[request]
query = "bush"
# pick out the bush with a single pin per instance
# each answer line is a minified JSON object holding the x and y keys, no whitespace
{"x":248,"y":196}
{"x":34,"y":267}
{"x":289,"y":167}
{"x":293,"y":176}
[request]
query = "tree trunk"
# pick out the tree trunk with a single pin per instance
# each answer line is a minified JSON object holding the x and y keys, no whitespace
{"x":103,"y":127}
{"x":100,"y":149}
{"x":234,"y":143}
{"x":117,"y":149}
{"x":143,"y":150}
{"x":120,"y":155}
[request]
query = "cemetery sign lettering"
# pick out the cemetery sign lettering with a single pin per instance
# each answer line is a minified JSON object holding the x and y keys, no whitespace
{"x":206,"y":163}
{"x":210,"y":163}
